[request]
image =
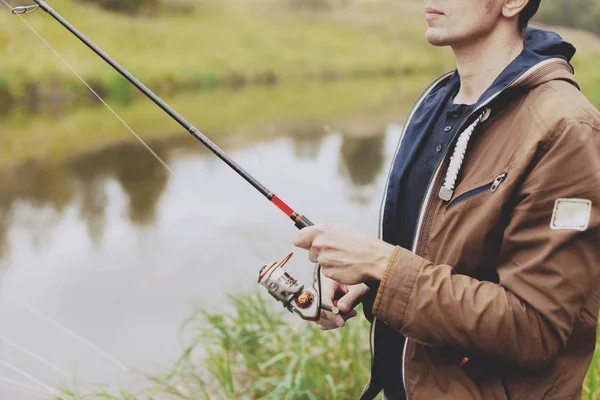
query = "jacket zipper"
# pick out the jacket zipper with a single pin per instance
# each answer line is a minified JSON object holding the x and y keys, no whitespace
{"x":490,"y":186}
{"x":382,"y":205}
{"x":527,"y":76}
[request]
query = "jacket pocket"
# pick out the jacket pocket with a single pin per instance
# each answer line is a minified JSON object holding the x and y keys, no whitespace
{"x":492,"y":186}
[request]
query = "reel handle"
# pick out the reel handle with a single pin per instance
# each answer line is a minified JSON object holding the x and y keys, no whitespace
{"x":306,"y":302}
{"x":296,"y":298}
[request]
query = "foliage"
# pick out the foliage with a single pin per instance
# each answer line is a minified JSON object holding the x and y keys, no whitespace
{"x":259,"y":351}
{"x":215,"y":45}
{"x":582,"y":14}
{"x":591,"y":385}
{"x":128,"y":6}
{"x":229,"y":117}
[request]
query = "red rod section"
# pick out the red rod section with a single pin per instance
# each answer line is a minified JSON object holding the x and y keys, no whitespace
{"x":282,"y":206}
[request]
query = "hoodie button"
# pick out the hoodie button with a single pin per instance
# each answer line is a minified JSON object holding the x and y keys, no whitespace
{"x":448,"y":128}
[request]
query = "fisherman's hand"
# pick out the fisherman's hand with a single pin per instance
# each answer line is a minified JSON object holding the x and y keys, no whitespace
{"x":348,"y":297}
{"x":346,"y":255}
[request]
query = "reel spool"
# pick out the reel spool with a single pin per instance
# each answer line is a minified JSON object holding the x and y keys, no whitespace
{"x":305,"y":302}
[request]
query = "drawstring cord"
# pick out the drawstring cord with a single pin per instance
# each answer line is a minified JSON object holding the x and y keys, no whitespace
{"x":456,"y":161}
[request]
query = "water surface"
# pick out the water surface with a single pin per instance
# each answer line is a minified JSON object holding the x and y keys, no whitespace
{"x":119,"y":251}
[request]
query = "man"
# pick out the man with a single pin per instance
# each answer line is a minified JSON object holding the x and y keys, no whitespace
{"x":484,"y":284}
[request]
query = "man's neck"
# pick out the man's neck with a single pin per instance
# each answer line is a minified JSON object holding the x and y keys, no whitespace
{"x":480,"y":62}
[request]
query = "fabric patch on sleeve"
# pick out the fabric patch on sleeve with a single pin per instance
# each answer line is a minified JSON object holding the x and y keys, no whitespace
{"x":571,"y":214}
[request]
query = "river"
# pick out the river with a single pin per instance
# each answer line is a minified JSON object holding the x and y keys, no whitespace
{"x":111,"y":247}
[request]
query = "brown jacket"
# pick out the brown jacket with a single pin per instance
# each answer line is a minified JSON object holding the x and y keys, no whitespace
{"x":530,"y":333}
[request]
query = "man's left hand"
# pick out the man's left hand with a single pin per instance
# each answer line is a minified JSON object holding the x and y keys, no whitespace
{"x":346,"y":255}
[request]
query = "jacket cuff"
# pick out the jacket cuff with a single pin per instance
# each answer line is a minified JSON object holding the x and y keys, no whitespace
{"x":396,"y":287}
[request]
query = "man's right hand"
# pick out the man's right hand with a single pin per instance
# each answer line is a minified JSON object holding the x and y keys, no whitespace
{"x":348,"y":298}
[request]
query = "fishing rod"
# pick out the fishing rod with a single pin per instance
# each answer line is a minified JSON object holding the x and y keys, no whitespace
{"x":306,"y":302}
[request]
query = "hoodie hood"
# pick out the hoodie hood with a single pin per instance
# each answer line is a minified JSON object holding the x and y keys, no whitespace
{"x":540,"y":45}
{"x":547,"y":44}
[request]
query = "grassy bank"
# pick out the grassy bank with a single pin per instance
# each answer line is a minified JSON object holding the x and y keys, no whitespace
{"x":210,"y":44}
{"x":259,"y":351}
{"x":231,"y":118}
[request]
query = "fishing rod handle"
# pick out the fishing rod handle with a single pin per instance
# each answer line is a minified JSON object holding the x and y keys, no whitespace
{"x":303,"y":222}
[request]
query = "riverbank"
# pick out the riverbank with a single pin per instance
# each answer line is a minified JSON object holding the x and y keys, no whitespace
{"x":230,"y":118}
{"x":210,"y":45}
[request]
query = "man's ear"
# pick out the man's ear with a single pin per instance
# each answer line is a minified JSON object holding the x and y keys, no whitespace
{"x":513,"y":8}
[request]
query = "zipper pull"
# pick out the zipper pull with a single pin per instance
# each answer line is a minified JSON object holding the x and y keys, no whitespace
{"x":501,"y":178}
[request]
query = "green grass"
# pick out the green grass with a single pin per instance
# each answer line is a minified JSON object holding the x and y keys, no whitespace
{"x":230,"y":118}
{"x":233,"y":42}
{"x":206,"y":45}
{"x":591,"y":385}
{"x":259,"y":351}
{"x":587,"y":74}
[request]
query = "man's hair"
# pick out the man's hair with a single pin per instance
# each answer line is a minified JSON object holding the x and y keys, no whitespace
{"x":528,"y":12}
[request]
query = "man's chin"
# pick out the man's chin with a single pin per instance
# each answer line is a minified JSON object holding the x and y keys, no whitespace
{"x":436,"y":38}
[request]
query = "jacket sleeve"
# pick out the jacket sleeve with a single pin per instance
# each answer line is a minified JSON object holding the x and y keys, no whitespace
{"x":549,"y":265}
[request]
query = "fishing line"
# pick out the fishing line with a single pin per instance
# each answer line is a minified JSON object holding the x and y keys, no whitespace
{"x":33,"y":355}
{"x":306,"y":302}
{"x":32,"y":390}
{"x":90,"y":88}
{"x":72,"y":334}
{"x":32,"y":379}
{"x":300,"y":220}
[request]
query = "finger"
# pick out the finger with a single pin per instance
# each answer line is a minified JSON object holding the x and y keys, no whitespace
{"x":313,"y":254}
{"x":330,"y":326}
{"x":329,"y":290}
{"x":325,"y":323}
{"x":328,"y":318}
{"x":327,"y":328}
{"x":348,"y":302}
{"x":305,"y":237}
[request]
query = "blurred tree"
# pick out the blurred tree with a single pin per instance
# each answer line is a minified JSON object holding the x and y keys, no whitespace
{"x":362,"y":158}
{"x":125,"y":6}
{"x":319,"y":5}
{"x":142,"y":178}
{"x":6,"y":100}
{"x":582,"y":14}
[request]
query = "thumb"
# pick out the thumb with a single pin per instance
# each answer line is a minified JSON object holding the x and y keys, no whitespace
{"x":348,"y":301}
{"x":305,"y":237}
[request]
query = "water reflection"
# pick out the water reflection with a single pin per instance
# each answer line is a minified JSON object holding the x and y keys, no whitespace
{"x":307,"y":140}
{"x":143,"y":180}
{"x":361,"y":162}
{"x":35,"y":186}
{"x":117,"y":249}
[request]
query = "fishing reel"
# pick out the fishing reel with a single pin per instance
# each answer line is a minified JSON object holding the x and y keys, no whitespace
{"x":306,"y":302}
